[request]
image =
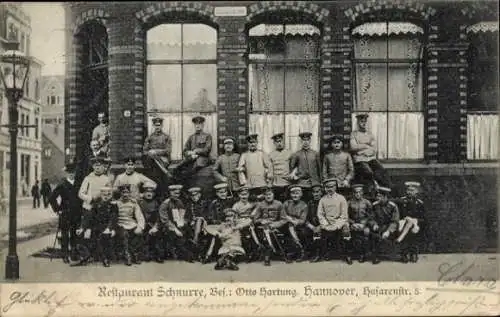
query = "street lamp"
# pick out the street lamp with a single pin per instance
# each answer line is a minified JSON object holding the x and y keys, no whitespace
{"x":14,"y":71}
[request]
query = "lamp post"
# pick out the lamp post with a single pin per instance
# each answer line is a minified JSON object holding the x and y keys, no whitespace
{"x":14,"y":71}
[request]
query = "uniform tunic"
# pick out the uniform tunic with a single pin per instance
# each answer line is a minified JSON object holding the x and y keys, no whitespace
{"x":173,"y":215}
{"x":273,"y":212}
{"x":130,"y":215}
{"x":312,"y":212}
{"x":160,"y":142}
{"x":230,"y":237}
{"x":367,"y":155}
{"x":201,"y":143}
{"x":332,"y":212}
{"x":308,"y":167}
{"x":296,"y":210}
{"x":104,"y":215}
{"x":225,"y":165}
{"x":135,"y":180}
{"x":359,"y":211}
{"x":149,"y":210}
{"x":257,"y":166}
{"x":91,"y":188}
{"x":386,"y":216}
{"x":280,"y":161}
{"x":198,"y":208}
{"x":339,"y":166}
{"x":216,"y":212}
{"x":411,"y":207}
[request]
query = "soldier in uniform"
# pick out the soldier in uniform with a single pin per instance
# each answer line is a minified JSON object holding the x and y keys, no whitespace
{"x":101,"y":133}
{"x":413,"y":219}
{"x":280,"y":160}
{"x":333,"y":219}
{"x":152,"y":248}
{"x":69,"y":211}
{"x":198,"y":207}
{"x":229,"y":233}
{"x":308,"y":165}
{"x":132,"y":178}
{"x":255,"y":168}
{"x":360,"y":211}
{"x":175,"y":223}
{"x":244,"y":209}
{"x":196,"y":150}
{"x":338,"y":164}
{"x":92,"y":183}
{"x":313,"y":231}
{"x":226,"y":165}
{"x":384,"y":222}
{"x":296,"y":216}
{"x":270,"y":218}
{"x":157,"y":151}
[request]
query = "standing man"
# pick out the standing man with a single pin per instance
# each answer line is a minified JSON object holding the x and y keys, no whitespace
{"x":226,"y":165}
{"x":132,"y":178}
{"x":254,"y":167}
{"x":101,"y":133}
{"x":45,"y":191}
{"x":197,"y":149}
{"x":280,"y":161}
{"x":364,"y":151}
{"x":308,"y":166}
{"x":65,"y":202}
{"x":158,"y":150}
{"x":35,"y":193}
{"x":338,"y":164}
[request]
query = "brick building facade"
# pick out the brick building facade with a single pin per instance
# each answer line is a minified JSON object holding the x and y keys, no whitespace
{"x":454,"y":134}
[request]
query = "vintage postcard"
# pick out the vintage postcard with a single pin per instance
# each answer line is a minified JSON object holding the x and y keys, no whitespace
{"x":253,"y":158}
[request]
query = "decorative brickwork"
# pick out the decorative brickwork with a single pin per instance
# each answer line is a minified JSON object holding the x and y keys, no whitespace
{"x":432,"y":91}
{"x":203,"y":10}
{"x":365,"y":8}
{"x":90,"y":15}
{"x":317,"y":11}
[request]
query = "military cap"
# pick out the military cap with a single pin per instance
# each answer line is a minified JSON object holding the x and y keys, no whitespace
{"x":330,"y":180}
{"x":124,"y":187}
{"x":268,"y":189}
{"x":305,"y":135}
{"x":175,"y":187}
{"x":157,"y":120}
{"x":336,"y":137}
{"x":229,"y":212}
{"x":316,"y":185}
{"x":70,"y":168}
{"x":198,"y":120}
{"x":129,"y":160}
{"x":193,"y":190}
{"x":220,"y":186}
{"x":362,"y":115}
{"x":228,"y":140}
{"x":252,"y":137}
{"x":293,"y":188}
{"x":384,"y":190}
{"x":98,"y":159}
{"x":243,"y":188}
{"x":149,"y":186}
{"x":278,"y":136}
{"x":412,"y":184}
{"x":357,"y":186}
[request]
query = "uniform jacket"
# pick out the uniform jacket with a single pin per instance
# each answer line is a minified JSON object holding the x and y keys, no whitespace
{"x":70,"y":205}
{"x":216,"y":210}
{"x":270,"y":213}
{"x":312,"y":212}
{"x":91,"y":188}
{"x":296,"y":210}
{"x":104,"y":215}
{"x":339,"y":166}
{"x":199,"y":208}
{"x":411,"y":207}
{"x":173,"y":214}
{"x":226,"y":166}
{"x":257,"y":169}
{"x":160,"y":142}
{"x":360,"y":211}
{"x":308,"y":166}
{"x":332,"y":211}
{"x":386,"y":216}
{"x":280,"y":161}
{"x":365,"y":155}
{"x":149,"y":209}
{"x":135,"y":180}
{"x":201,"y":143}
{"x":130,"y":215}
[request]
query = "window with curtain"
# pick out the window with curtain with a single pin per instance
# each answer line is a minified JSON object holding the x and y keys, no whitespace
{"x":283,"y":81}
{"x":388,"y":86}
{"x":482,"y":113}
{"x":182,"y":80}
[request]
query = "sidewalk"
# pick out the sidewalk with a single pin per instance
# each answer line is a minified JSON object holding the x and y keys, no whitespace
{"x":27,"y":216}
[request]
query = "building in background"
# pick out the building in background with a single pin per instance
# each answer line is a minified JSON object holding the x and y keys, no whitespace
{"x":52,"y":127}
{"x":290,"y":66}
{"x":14,"y":22}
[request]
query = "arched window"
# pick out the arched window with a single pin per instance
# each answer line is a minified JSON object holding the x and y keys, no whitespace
{"x":482,"y":111}
{"x":283,"y":76}
{"x":182,"y":80}
{"x":388,"y":86}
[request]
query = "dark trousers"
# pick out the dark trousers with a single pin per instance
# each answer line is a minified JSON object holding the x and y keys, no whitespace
{"x":69,"y":238}
{"x":359,"y":244}
{"x":182,"y":245}
{"x":333,"y":242}
{"x":312,"y":242}
{"x":278,"y":239}
{"x":203,"y":249}
{"x":129,"y":242}
{"x":280,"y":193}
{"x":376,"y":240}
{"x":36,"y":202}
{"x":410,"y":244}
{"x":254,"y":193}
{"x":98,"y":245}
{"x":372,"y":170}
{"x":248,"y":242}
{"x":45,"y":201}
{"x":153,"y":244}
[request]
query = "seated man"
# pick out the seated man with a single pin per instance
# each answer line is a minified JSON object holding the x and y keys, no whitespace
{"x":153,"y":246}
{"x":333,"y":219}
{"x":229,"y":233}
{"x":296,"y":216}
{"x":199,"y":209}
{"x":360,"y":212}
{"x":313,"y":231}
{"x":413,"y":218}
{"x":364,"y":151}
{"x":243,"y":210}
{"x":384,"y":222}
{"x":175,"y":223}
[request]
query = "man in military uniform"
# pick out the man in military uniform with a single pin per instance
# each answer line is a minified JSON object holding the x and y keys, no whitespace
{"x":313,"y":231}
{"x":255,"y":168}
{"x":198,"y":207}
{"x":296,"y":215}
{"x":384,"y":222}
{"x":360,"y":211}
{"x":153,"y":245}
{"x":307,"y":164}
{"x":101,"y":133}
{"x":411,"y":224}
{"x":196,"y":150}
{"x":280,"y":160}
{"x":157,"y":150}
{"x":132,"y":178}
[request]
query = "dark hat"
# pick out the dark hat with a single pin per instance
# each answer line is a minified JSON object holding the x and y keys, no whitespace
{"x":329,"y":180}
{"x":228,"y":140}
{"x":252,"y":137}
{"x":412,"y":184}
{"x":193,"y":190}
{"x":357,"y":186}
{"x":384,"y":190}
{"x":70,"y":168}
{"x":99,"y":159}
{"x":243,"y":188}
{"x":124,"y":187}
{"x":268,"y":189}
{"x":305,"y":135}
{"x":157,"y":120}
{"x":129,"y":160}
{"x":198,"y":120}
{"x":362,"y":115}
{"x":278,"y":136}
{"x":315,"y":185}
{"x":336,"y":137}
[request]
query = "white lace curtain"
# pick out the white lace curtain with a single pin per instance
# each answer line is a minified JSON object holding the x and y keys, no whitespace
{"x":482,"y":136}
{"x":391,"y":92}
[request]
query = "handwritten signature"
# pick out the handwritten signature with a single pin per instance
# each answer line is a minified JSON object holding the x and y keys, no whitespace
{"x":50,"y":298}
{"x":461,"y":274}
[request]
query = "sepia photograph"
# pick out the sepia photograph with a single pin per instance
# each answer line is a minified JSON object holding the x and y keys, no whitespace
{"x":249,"y":142}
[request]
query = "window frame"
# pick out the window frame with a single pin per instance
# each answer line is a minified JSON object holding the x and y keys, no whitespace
{"x":388,"y":61}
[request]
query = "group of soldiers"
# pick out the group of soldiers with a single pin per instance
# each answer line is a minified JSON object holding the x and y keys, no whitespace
{"x":281,"y":204}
